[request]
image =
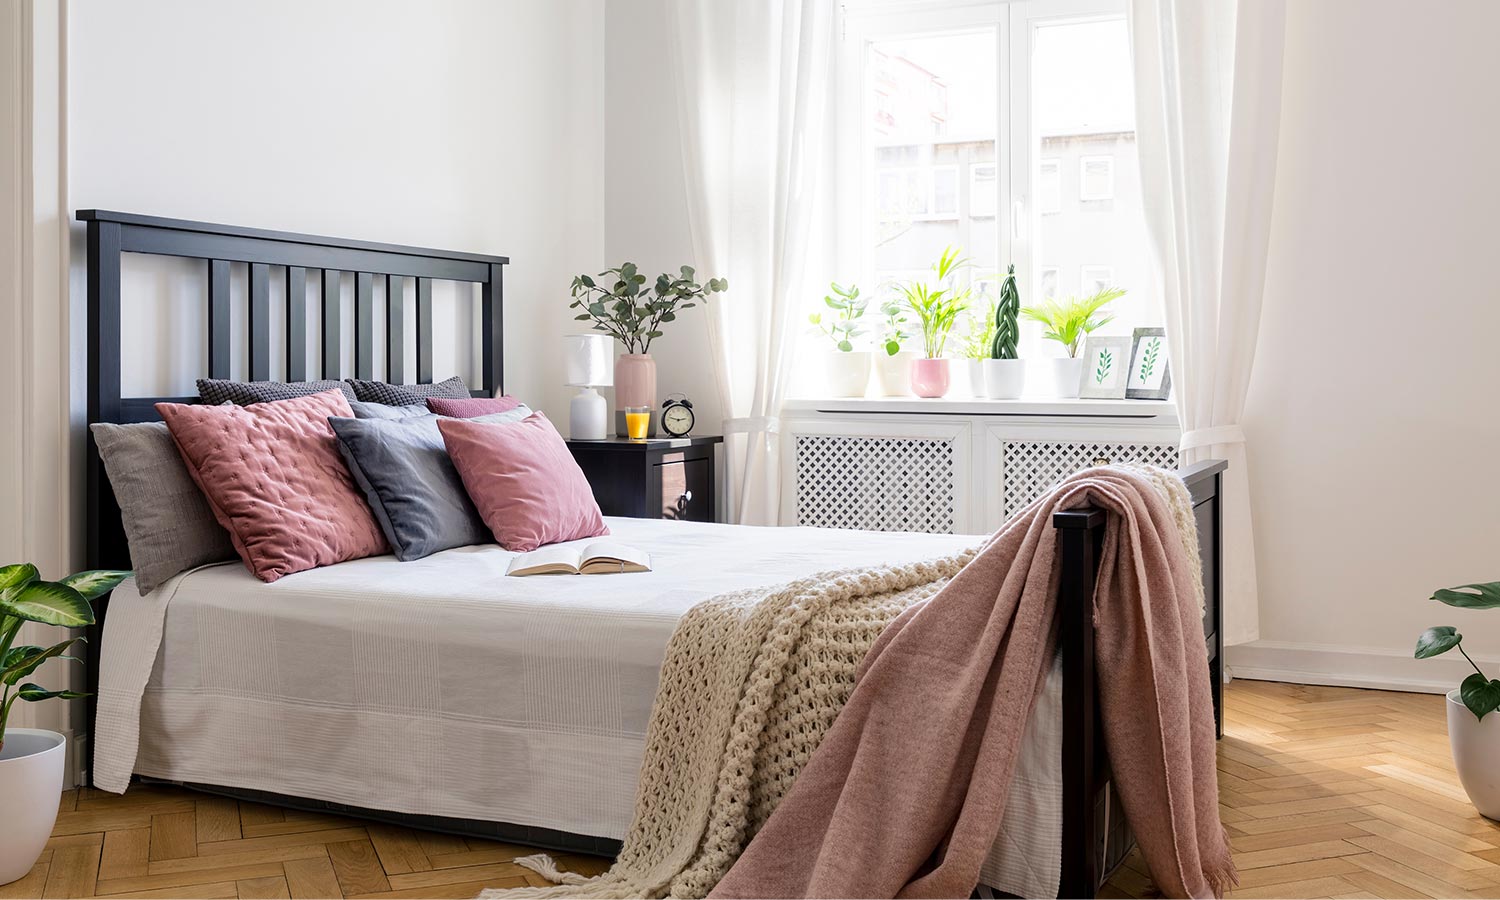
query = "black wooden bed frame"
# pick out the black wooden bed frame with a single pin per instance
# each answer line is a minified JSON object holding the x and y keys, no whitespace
{"x":1094,"y":839}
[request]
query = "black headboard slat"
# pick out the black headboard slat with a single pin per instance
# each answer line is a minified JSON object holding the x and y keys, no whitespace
{"x":259,"y":349}
{"x":332,"y":326}
{"x":424,"y":330}
{"x":395,"y":328}
{"x":219,"y":316}
{"x":296,"y":323}
{"x":364,"y":325}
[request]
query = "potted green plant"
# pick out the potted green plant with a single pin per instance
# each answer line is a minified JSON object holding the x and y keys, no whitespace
{"x":891,"y":361}
{"x":1004,"y":370}
{"x":622,"y":306}
{"x":31,"y":759}
{"x":846,"y":368}
{"x":937,"y":307}
{"x":1068,"y":322}
{"x":976,"y":348}
{"x":1473,"y":732}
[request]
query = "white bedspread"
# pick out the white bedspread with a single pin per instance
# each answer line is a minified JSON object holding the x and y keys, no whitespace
{"x":442,"y":687}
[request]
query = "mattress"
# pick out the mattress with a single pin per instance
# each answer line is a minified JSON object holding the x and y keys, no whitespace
{"x":441,"y":687}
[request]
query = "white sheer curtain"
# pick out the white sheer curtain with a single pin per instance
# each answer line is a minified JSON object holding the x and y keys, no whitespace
{"x":753,"y":82}
{"x":1208,"y":109}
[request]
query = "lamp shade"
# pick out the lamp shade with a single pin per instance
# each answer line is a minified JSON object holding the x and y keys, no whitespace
{"x":589,"y":359}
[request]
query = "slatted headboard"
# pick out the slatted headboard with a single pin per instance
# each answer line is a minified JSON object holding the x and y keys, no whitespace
{"x":302,"y":257}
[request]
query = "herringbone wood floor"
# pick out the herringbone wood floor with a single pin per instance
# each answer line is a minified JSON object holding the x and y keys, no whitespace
{"x":1326,"y":792}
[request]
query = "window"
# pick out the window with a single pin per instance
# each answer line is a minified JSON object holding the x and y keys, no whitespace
{"x":1093,"y":279}
{"x":966,"y":123}
{"x":1049,"y":187}
{"x":1096,"y":178}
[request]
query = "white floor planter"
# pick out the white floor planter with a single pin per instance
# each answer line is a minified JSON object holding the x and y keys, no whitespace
{"x":848,"y":374}
{"x":1004,"y":379}
{"x":1057,"y":379}
{"x":31,"y":777}
{"x":1476,"y":755}
{"x":893,"y":373}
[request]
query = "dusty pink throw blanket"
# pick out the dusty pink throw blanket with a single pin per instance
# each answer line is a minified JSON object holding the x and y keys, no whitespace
{"x":907,"y":791}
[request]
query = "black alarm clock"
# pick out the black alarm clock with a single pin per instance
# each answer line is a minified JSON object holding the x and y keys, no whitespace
{"x":677,"y":415}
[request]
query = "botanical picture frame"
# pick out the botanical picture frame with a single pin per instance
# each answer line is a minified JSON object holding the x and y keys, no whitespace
{"x":1150,"y":376}
{"x":1105,"y":367}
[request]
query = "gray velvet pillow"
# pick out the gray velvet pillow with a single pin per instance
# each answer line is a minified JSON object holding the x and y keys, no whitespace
{"x":168,"y":522}
{"x":244,"y":393}
{"x":406,"y":394}
{"x":417,"y":496}
{"x":372,"y":410}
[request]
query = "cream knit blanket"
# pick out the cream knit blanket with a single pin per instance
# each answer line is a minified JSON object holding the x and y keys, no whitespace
{"x":751,"y":682}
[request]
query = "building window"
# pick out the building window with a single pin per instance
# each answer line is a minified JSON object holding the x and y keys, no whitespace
{"x":1096,"y":178}
{"x":1049,"y":187}
{"x":1093,"y":279}
{"x":965,"y":123}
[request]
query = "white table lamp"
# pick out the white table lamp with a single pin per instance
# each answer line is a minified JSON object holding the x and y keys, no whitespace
{"x":590,"y":361}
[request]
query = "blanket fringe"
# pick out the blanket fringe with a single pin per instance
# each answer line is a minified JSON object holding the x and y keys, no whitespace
{"x":546,"y":866}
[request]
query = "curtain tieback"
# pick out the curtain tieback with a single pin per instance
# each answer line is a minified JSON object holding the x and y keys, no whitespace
{"x":753,"y":425}
{"x":1207,"y":437}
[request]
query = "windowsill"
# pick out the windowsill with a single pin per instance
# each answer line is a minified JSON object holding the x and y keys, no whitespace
{"x":1156,"y":411}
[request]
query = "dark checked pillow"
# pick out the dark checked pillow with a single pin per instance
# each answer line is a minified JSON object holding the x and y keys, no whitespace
{"x":215,"y":391}
{"x":406,"y":394}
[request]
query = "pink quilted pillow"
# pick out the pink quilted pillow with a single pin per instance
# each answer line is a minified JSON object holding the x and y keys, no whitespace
{"x":471,"y":407}
{"x":523,"y":480}
{"x":274,"y":478}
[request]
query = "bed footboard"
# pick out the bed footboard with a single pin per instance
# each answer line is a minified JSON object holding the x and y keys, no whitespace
{"x":1095,"y":836}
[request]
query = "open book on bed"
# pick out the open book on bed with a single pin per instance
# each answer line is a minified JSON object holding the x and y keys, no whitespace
{"x":595,"y":558}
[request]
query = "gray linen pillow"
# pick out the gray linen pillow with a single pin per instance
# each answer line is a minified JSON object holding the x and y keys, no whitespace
{"x":373,"y":410}
{"x":244,"y":393}
{"x":406,"y":394}
{"x":168,"y":522}
{"x":417,"y":496}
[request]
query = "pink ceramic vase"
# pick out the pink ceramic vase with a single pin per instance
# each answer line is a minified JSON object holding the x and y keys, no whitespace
{"x":929,"y":377}
{"x":635,"y":385}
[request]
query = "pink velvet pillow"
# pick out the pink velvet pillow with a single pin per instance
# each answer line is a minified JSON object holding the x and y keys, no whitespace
{"x":471,"y":407}
{"x":523,"y":480}
{"x":274,"y":479}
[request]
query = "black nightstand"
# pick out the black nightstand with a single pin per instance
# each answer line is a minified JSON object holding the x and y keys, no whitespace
{"x":658,"y":478}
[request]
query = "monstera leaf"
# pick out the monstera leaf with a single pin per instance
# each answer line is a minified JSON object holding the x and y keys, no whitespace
{"x":1436,"y":641}
{"x":1471,"y":596}
{"x":1480,"y":694}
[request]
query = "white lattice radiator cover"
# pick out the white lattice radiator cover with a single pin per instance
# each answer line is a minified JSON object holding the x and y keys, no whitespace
{"x":876,"y":483}
{"x":1033,"y":467}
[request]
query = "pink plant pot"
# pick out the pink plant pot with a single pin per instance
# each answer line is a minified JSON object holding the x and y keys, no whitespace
{"x":929,"y":377}
{"x":635,"y":385}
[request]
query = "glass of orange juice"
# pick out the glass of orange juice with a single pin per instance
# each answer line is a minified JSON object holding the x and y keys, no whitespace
{"x":637,"y":422}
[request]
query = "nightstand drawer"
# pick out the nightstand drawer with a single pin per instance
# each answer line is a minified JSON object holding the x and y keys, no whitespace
{"x":685,"y":489}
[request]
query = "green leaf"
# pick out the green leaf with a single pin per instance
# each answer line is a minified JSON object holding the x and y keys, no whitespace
{"x":20,"y":669}
{"x":843,"y":345}
{"x":94,"y":583}
{"x":1481,"y":695}
{"x":34,"y":692}
{"x":50,"y":603}
{"x":1471,"y":596}
{"x":892,"y":348}
{"x":1437,"y":641}
{"x":16,"y":654}
{"x":15,"y":576}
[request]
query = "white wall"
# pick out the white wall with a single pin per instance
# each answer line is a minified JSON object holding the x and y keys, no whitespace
{"x":1373,"y":419}
{"x":458,"y":124}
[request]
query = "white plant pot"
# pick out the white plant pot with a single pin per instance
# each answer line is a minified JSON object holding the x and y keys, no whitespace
{"x":893,"y":373}
{"x":848,"y":374}
{"x":1476,"y":755}
{"x":31,"y":777}
{"x":1004,"y":379}
{"x":1057,"y":379}
{"x":968,"y":376}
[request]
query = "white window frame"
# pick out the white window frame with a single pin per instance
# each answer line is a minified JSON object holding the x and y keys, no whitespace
{"x":1013,"y":25}
{"x":1086,"y":272}
{"x":1083,"y":178}
{"x":994,"y":166}
{"x":1056,"y":166}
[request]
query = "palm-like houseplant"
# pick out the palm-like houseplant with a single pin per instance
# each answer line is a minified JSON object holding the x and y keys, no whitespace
{"x":1068,"y":322}
{"x":31,"y":762}
{"x":937,"y":307}
{"x":1474,"y":739}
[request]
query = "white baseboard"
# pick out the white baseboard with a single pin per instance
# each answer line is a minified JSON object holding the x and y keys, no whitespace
{"x":1360,"y":667}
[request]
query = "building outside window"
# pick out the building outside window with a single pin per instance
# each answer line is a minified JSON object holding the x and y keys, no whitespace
{"x":1007,"y":129}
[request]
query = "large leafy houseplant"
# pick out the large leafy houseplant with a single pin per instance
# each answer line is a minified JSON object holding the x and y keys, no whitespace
{"x":24,"y":597}
{"x":1479,"y":692}
{"x":1070,"y":321}
{"x":938,"y":305}
{"x":633,"y":313}
{"x":843,"y":326}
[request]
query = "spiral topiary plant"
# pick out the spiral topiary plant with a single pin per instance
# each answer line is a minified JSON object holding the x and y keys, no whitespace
{"x":1007,"y":311}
